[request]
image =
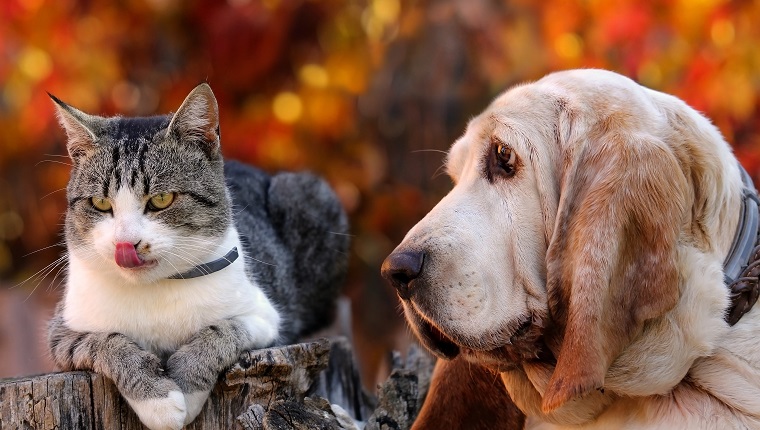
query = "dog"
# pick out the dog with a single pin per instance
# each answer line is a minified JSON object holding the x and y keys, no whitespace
{"x":582,"y":257}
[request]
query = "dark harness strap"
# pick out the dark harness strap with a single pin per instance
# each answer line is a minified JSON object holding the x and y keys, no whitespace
{"x":742,"y":265}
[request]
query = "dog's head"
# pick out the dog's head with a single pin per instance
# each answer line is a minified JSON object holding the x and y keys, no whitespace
{"x":561,"y":229}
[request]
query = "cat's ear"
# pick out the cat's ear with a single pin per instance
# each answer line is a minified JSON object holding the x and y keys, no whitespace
{"x":79,"y":129}
{"x":197,"y":120}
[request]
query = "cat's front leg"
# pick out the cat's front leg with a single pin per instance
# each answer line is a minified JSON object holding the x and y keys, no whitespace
{"x":137,"y":374}
{"x":196,"y":366}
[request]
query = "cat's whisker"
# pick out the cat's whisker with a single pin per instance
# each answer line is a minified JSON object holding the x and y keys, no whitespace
{"x":189,"y":258}
{"x":198,"y":239}
{"x":55,"y":162}
{"x":42,"y":272}
{"x":195,"y":244}
{"x":50,"y":287}
{"x":194,"y":262}
{"x":200,"y":248}
{"x":40,"y":278}
{"x":42,"y":249}
{"x":61,"y":280}
{"x":195,"y":240}
{"x":335,"y":250}
{"x":199,"y":265}
{"x":261,"y":261}
{"x":52,"y":192}
{"x":237,"y":209}
{"x":170,"y":263}
{"x":342,"y":234}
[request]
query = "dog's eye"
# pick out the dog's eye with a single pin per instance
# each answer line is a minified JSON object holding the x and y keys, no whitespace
{"x":507,"y":158}
{"x":501,"y":161}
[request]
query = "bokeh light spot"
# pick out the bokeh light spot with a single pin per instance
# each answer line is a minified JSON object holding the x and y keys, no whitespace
{"x":568,"y":45}
{"x":89,"y":29}
{"x":35,"y":63}
{"x":722,"y":33}
{"x":31,"y":5}
{"x":287,"y":107}
{"x":650,"y":74}
{"x":372,"y":26}
{"x":379,"y":16}
{"x":386,"y":10}
{"x":11,"y":225}
{"x":348,"y":193}
{"x":125,"y":96}
{"x":314,"y":75}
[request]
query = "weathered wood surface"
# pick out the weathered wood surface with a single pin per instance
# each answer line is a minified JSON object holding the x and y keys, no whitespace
{"x":400,"y":397}
{"x":277,"y":379}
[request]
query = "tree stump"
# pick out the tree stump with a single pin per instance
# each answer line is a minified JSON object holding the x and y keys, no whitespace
{"x":278,"y":380}
{"x":313,"y":385}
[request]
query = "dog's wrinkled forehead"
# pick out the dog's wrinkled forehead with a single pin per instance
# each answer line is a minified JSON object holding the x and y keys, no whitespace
{"x":469,"y":153}
{"x":525,"y":120}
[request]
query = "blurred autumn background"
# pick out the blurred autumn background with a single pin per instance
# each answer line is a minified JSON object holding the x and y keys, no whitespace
{"x":366,"y":93}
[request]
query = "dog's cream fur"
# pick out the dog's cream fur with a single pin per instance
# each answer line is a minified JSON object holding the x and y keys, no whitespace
{"x":610,"y":237}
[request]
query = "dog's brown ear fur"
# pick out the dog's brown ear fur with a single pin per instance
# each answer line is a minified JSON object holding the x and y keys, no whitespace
{"x":611,"y":263}
{"x":465,"y":395}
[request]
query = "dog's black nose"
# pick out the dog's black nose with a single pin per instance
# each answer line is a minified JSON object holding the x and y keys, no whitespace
{"x":401,"y":268}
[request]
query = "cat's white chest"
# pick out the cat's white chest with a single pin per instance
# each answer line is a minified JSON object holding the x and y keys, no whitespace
{"x":160,"y":316}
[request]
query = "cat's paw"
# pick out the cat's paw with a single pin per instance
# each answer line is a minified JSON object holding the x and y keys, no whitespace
{"x":195,"y":402}
{"x":263,"y":329}
{"x":162,"y":413}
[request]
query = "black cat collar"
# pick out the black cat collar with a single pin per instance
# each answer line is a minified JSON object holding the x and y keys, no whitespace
{"x":210,"y":267}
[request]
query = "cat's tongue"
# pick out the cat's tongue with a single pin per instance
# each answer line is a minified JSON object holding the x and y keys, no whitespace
{"x":126,"y":255}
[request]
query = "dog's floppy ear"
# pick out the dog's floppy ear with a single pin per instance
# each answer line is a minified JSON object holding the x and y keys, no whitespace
{"x":611,"y":263}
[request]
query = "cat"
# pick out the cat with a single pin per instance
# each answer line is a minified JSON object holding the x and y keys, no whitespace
{"x":180,"y":261}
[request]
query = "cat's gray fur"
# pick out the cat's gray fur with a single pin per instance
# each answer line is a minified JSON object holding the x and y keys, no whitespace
{"x":301,"y":224}
{"x":292,"y":228}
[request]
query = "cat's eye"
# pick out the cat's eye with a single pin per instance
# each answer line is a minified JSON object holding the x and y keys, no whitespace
{"x":101,"y":204}
{"x":160,"y":201}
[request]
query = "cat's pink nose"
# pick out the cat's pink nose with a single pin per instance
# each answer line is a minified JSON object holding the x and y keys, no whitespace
{"x":126,"y":255}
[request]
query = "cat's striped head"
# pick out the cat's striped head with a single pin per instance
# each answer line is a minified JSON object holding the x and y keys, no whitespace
{"x":147,"y":196}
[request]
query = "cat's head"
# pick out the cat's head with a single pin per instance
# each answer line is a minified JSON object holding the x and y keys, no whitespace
{"x":146,"y":197}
